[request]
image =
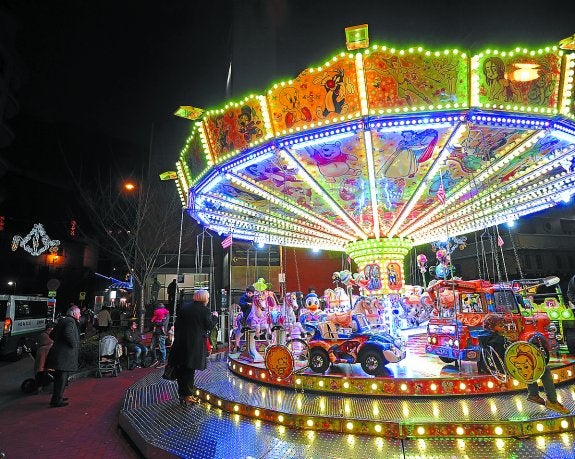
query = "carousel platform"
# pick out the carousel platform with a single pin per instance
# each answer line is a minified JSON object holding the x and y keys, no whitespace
{"x":242,"y":418}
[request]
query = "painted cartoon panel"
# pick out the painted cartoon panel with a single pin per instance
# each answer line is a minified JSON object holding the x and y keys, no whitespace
{"x":415,"y":78}
{"x":518,"y":80}
{"x":194,"y":156}
{"x":315,"y":95}
{"x":340,"y":168}
{"x":401,"y":160}
{"x":394,"y":276}
{"x":476,"y":149}
{"x":278,"y":177}
{"x":235,"y":128}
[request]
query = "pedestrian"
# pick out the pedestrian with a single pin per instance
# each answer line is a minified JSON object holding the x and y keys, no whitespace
{"x":44,"y":345}
{"x":133,"y":342}
{"x":104,"y":320}
{"x":245,"y":302}
{"x":494,"y":325}
{"x":571,"y":293}
{"x":172,"y":287}
{"x":189,"y":351}
{"x":155,"y":290}
{"x":160,"y":320}
{"x":63,"y":357}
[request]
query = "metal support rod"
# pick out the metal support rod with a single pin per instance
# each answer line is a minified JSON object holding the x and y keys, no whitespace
{"x":178,"y":263}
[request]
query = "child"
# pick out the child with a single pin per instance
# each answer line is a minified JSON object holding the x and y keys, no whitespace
{"x":494,"y":325}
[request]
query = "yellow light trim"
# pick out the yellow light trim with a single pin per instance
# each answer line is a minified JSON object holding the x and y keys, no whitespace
{"x":421,"y":431}
{"x":377,"y":428}
{"x":361,"y":83}
{"x":257,"y":412}
{"x":298,"y":381}
{"x":349,"y":426}
{"x":280,"y":418}
{"x":498,"y":430}
{"x":236,"y":408}
{"x":346,"y":385}
{"x":564,"y":424}
{"x":539,"y":427}
{"x":460,"y":431}
{"x":309,"y":423}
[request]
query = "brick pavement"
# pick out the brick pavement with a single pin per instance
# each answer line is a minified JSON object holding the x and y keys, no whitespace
{"x":86,"y":428}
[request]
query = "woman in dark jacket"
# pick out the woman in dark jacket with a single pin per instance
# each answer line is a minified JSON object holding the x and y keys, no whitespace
{"x":189,"y":350}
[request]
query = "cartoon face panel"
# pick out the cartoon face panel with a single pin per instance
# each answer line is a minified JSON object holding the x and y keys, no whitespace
{"x":316,"y":96}
{"x":235,"y":128}
{"x":519,"y":80}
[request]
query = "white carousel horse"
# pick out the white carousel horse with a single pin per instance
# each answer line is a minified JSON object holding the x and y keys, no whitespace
{"x":289,"y":307}
{"x":258,"y":320}
{"x":362,"y":305}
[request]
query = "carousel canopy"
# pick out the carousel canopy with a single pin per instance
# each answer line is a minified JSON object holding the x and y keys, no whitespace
{"x":387,"y":143}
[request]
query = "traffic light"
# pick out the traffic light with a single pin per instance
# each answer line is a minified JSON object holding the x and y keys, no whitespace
{"x":1,"y":222}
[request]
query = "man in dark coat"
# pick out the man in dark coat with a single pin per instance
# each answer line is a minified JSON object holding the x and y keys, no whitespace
{"x":188,"y":353}
{"x":172,"y":294}
{"x":63,"y":357}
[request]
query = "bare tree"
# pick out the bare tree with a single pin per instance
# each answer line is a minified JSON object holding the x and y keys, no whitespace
{"x":137,"y":220}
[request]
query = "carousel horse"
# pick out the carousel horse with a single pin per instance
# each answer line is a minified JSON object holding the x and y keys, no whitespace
{"x":258,"y":318}
{"x":328,"y":298}
{"x":341,"y":298}
{"x":362,"y":305}
{"x":290,"y":322}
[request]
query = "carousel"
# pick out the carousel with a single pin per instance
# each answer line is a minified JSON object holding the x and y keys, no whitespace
{"x":377,"y":151}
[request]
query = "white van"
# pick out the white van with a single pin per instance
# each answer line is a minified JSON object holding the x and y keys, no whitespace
{"x":23,"y":317}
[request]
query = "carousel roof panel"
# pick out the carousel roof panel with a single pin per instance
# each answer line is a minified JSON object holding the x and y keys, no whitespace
{"x":387,"y":142}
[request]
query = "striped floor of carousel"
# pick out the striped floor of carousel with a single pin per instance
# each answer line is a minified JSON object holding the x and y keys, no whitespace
{"x":421,"y":408}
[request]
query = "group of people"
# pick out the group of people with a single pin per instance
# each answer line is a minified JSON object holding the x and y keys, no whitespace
{"x":133,"y":339}
{"x":59,"y":349}
{"x":189,"y":349}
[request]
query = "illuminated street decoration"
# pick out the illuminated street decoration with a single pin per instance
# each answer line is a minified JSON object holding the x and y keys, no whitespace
{"x":36,"y":242}
{"x":356,"y":150}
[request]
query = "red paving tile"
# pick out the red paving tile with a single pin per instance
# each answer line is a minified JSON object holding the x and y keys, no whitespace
{"x":86,"y":428}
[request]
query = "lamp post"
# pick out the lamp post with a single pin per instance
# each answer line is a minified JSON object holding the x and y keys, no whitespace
{"x":178,"y":262}
{"x":13,"y":285}
{"x":170,"y":176}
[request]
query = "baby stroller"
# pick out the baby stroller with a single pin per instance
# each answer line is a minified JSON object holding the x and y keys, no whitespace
{"x":109,"y":353}
{"x":32,"y":385}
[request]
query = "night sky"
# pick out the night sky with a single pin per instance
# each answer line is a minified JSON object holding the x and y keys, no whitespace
{"x":100,"y":80}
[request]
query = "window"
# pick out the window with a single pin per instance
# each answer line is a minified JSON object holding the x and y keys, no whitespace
{"x":34,"y":309}
{"x":538,"y":262}
{"x":527,"y":261}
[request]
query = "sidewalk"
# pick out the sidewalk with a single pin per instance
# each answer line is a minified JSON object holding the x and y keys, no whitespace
{"x":86,"y":428}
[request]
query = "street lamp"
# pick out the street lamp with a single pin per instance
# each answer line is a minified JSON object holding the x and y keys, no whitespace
{"x":170,"y":176}
{"x":13,"y":285}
